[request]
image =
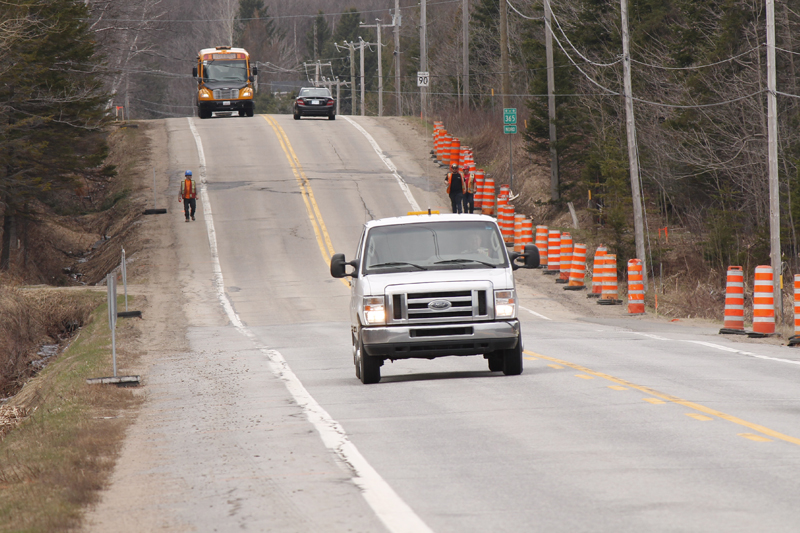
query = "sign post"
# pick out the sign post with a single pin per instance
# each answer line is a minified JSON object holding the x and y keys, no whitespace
{"x":510,"y":128}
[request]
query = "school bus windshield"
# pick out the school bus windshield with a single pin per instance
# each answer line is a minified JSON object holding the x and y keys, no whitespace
{"x":225,"y":70}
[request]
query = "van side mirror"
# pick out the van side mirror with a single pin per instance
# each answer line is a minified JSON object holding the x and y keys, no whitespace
{"x":194,"y":72}
{"x":530,"y":257}
{"x":255,"y":71}
{"x":339,"y":267}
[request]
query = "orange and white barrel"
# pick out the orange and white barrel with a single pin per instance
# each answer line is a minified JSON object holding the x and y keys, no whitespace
{"x":502,"y":199}
{"x":478,"y":198}
{"x":598,"y":272}
{"x":455,"y":148}
{"x":610,"y":294}
{"x":518,"y":221}
{"x":506,"y":223}
{"x":444,"y":154}
{"x":578,"y":271}
{"x":489,"y":200}
{"x":635,"y":287}
{"x":734,"y":300}
{"x":553,"y":252}
{"x":527,"y":234}
{"x":566,"y":258}
{"x":505,"y":189}
{"x":795,"y":339}
{"x":797,"y":304}
{"x":541,"y":244}
{"x":763,"y":301}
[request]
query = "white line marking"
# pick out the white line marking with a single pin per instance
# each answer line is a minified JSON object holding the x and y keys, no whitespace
{"x":387,"y":162}
{"x":740,"y":352}
{"x":395,"y":514}
{"x":534,"y":313}
{"x":656,"y":337}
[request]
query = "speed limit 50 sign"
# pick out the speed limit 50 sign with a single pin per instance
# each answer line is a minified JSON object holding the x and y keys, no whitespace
{"x":423,"y":79}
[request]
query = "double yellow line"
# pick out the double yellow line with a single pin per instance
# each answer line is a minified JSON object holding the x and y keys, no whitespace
{"x":669,"y":398}
{"x":314,"y":215}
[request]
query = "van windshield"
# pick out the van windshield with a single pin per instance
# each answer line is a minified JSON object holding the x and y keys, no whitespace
{"x":434,"y":246}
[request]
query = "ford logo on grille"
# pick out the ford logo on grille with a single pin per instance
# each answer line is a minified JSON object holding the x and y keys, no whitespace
{"x":439,"y":305}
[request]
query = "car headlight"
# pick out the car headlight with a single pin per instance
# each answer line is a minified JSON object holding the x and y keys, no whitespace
{"x":505,"y":304}
{"x":205,"y":93}
{"x":374,"y":310}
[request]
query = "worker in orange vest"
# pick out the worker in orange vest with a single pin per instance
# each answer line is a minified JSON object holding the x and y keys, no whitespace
{"x":455,"y":188}
{"x":469,"y":190}
{"x":189,"y":195}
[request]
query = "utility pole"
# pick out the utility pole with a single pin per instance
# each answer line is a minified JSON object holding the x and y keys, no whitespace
{"x":352,"y":48}
{"x":504,"y":75}
{"x":361,"y":49}
{"x":772,"y":149}
{"x":378,"y":25}
{"x":465,"y":51}
{"x":423,"y":53}
{"x":397,"y":19}
{"x":551,"y":100}
{"x":633,"y":155}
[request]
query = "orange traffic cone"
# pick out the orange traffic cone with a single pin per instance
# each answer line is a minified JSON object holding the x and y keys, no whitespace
{"x":578,"y":271}
{"x":734,"y":302}
{"x":635,"y":287}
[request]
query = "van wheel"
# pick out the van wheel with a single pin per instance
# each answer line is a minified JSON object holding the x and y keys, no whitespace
{"x":495,"y":361}
{"x":368,"y":369}
{"x":512,"y":360}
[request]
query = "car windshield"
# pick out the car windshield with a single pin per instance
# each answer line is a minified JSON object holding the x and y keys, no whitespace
{"x":225,"y":70}
{"x":433,"y":246}
{"x":315,"y":93}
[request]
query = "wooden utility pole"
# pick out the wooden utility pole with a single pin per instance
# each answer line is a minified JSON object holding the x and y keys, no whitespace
{"x":352,"y":48}
{"x":633,"y":153}
{"x":504,"y":74}
{"x":361,"y":60}
{"x":423,"y":53}
{"x":551,"y":100}
{"x":396,"y":21}
{"x":378,"y":26}
{"x":465,"y":51}
{"x":772,"y":153}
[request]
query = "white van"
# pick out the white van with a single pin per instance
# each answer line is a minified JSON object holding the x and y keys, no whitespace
{"x":427,"y":286}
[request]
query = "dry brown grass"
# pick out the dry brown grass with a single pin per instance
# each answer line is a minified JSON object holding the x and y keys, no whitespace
{"x":69,"y":433}
{"x":30,"y":318}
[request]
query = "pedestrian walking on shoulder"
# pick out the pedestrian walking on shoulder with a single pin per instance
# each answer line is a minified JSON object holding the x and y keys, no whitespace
{"x":455,"y":188}
{"x":469,"y":190}
{"x":189,"y":195}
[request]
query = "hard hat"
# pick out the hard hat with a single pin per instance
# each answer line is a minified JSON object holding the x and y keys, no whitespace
{"x":188,"y":173}
{"x":454,"y":166}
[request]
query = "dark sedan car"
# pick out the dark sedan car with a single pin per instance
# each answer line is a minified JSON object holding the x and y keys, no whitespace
{"x":314,"y":102}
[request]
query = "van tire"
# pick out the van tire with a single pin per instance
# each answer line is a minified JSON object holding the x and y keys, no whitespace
{"x":512,"y":360}
{"x":495,"y":360}
{"x":368,"y":368}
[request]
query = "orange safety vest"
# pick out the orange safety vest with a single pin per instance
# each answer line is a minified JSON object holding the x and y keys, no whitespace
{"x":188,"y":189}
{"x":449,"y":180}
{"x":469,"y":179}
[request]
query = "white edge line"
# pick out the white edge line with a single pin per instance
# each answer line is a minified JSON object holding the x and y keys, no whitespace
{"x":386,"y":161}
{"x":741,"y":352}
{"x":395,"y":514}
{"x":534,"y":313}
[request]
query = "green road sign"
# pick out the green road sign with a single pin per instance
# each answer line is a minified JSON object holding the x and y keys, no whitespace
{"x":509,"y":128}
{"x":510,"y":115}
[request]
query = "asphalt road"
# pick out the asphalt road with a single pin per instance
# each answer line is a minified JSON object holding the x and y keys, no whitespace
{"x":615,"y":425}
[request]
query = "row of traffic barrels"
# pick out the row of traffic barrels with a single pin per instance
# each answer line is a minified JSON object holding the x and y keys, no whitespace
{"x":560,"y":257}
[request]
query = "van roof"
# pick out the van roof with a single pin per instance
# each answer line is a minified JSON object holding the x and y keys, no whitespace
{"x":418,"y":219}
{"x":231,"y":50}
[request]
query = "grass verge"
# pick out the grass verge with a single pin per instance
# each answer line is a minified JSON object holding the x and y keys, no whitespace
{"x":55,"y":462}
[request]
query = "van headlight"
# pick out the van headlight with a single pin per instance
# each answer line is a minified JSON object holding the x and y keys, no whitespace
{"x":505,"y":304}
{"x":374,"y":310}
{"x":246,"y":93}
{"x":205,"y":93}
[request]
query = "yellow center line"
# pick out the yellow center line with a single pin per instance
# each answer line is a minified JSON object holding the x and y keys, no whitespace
{"x":691,"y":405}
{"x":314,"y":215}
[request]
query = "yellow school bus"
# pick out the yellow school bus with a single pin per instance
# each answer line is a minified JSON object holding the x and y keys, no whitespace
{"x":225,"y":81}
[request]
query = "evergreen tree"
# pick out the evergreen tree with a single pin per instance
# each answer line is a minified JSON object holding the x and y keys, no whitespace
{"x":53,"y":107}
